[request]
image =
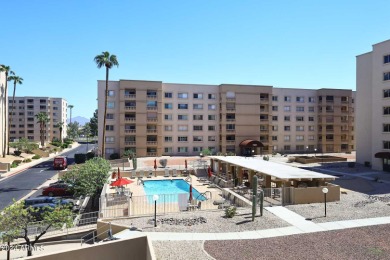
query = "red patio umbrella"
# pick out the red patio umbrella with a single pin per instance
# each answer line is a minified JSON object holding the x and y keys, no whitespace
{"x":155,"y":167}
{"x":119,"y":174}
{"x":209,"y":172}
{"x":190,"y":198}
{"x":121,"y":182}
{"x":185,"y":164}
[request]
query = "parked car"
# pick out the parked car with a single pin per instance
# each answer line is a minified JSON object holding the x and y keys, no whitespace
{"x":60,"y":162}
{"x":57,"y":182}
{"x":46,"y":199}
{"x":58,"y":190}
{"x":41,"y":208}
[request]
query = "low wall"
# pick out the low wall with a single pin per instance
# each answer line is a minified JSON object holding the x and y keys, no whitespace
{"x":319,"y":159}
{"x":4,"y":167}
{"x":235,"y":198}
{"x":315,"y":194}
{"x":103,"y":227}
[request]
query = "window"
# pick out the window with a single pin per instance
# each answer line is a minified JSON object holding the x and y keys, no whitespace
{"x":300,"y":109}
{"x":111,"y":93}
{"x":56,"y":108}
{"x":198,"y":96}
{"x":311,"y":118}
{"x":230,"y":127}
{"x":287,"y":108}
{"x":312,"y":100}
{"x":211,"y":117}
{"x":182,"y":106}
{"x":109,"y":128}
{"x":287,"y":138}
{"x":230,"y":138}
{"x":386,"y":110}
{"x":230,"y":94}
{"x":212,"y":96}
{"x":274,"y":118}
{"x":311,"y":127}
{"x":110,"y":116}
{"x":168,"y":106}
{"x":212,"y":107}
{"x":274,"y":128}
{"x":287,"y":148}
{"x":168,"y":117}
{"x":300,"y":99}
{"x":182,"y":95}
{"x":22,"y":102}
{"x":182,"y":117}
{"x":182,"y":128}
{"x":168,"y":95}
{"x":198,"y":128}
{"x":110,"y":150}
{"x":311,"y":109}
{"x":274,"y":138}
{"x":197,"y":149}
{"x":182,"y":138}
{"x":386,"y":93}
{"x":197,"y":138}
{"x":287,"y":99}
{"x":300,"y":128}
{"x":151,"y":93}
{"x":110,"y":139}
{"x":287,"y":128}
{"x":386,"y":59}
{"x":286,"y":118}
{"x":274,"y":108}
{"x":168,"y":128}
{"x":299,"y":119}
{"x":300,"y":148}
{"x":230,"y":117}
{"x":168,"y":150}
{"x":22,"y":114}
{"x":299,"y":138}
{"x":386,"y":127}
{"x":168,"y":139}
{"x":211,"y":139}
{"x":182,"y":149}
{"x":197,"y":117}
{"x":211,"y":128}
{"x":110,"y":104}
{"x":197,"y":106}
{"x":274,"y":98}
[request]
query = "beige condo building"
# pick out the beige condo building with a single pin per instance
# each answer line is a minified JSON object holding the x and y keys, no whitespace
{"x":3,"y":114}
{"x":24,"y":123}
{"x":153,"y":118}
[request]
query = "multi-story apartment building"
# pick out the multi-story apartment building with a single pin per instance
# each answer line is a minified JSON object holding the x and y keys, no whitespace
{"x":3,"y":114}
{"x":373,"y":106}
{"x":153,"y":118}
{"x":24,"y":123}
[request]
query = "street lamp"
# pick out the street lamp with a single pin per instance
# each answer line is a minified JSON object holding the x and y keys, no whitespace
{"x":315,"y":151}
{"x":307,"y":150}
{"x":325,"y":191}
{"x":155,"y":198}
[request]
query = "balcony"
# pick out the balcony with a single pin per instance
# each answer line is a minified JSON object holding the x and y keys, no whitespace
{"x":230,"y":99}
{"x":129,"y":142}
{"x":151,"y":154}
{"x":152,"y":119}
{"x":151,"y":108}
{"x":230,"y":109}
{"x":129,"y":119}
{"x":151,"y":96}
{"x":230,"y":141}
{"x":130,"y":107}
{"x":151,"y":131}
{"x":230,"y":130}
{"x":130,"y":131}
{"x":130,"y":96}
{"x":151,"y":142}
{"x":230,"y":119}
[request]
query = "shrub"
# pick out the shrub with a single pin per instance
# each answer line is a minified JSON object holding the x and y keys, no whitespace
{"x":80,"y":158}
{"x":56,"y":143}
{"x":90,"y":155}
{"x":206,"y":152}
{"x":265,"y":158}
{"x":163,"y":162}
{"x":291,"y":159}
{"x":64,"y":146}
{"x":351,"y":164}
{"x":230,"y":211}
{"x":27,"y":160}
{"x":114,"y":156}
{"x":17,"y":153}
{"x":36,"y":157}
{"x":14,"y":165}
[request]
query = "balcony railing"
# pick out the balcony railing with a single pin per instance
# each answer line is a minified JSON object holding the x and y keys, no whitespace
{"x":130,"y":96}
{"x":151,"y":108}
{"x":130,"y":107}
{"x":230,"y":99}
{"x":230,"y":141}
{"x":149,"y":131}
{"x":151,"y":142}
{"x":152,"y":119}
{"x":129,"y":118}
{"x":264,"y":99}
{"x":151,"y":154}
{"x":230,"y":130}
{"x":230,"y":119}
{"x":230,"y":109}
{"x":129,"y":142}
{"x":152,"y":96}
{"x":128,"y":131}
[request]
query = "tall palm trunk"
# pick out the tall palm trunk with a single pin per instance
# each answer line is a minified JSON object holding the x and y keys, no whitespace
{"x":5,"y":115}
{"x":10,"y":117}
{"x":105,"y":114}
{"x":61,"y":134}
{"x":42,"y":130}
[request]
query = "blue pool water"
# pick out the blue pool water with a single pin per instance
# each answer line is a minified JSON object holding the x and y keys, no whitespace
{"x":171,"y":188}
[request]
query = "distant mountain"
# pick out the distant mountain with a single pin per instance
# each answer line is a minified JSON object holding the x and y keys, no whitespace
{"x":82,"y":120}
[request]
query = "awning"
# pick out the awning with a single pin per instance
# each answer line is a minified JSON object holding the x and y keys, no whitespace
{"x":383,"y":155}
{"x":251,"y":143}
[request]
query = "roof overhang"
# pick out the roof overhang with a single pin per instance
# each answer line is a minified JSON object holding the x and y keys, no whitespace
{"x":251,"y":143}
{"x":383,"y":155}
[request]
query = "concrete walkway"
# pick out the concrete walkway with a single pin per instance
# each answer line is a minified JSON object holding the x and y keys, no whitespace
{"x":298,"y":226}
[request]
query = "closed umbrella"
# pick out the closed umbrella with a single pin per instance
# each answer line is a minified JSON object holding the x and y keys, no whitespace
{"x":209,"y":172}
{"x":190,"y":198}
{"x":155,"y":167}
{"x":185,"y":164}
{"x":119,"y":174}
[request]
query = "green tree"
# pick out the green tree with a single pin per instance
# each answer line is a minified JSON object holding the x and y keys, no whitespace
{"x":60,"y":126}
{"x":87,"y":130}
{"x":16,"y":80}
{"x":7,"y":70}
{"x":42,"y":119}
{"x":70,"y":109}
{"x":93,"y":123}
{"x":108,"y":61}
{"x":73,"y":130}
{"x":24,"y":145}
{"x":16,"y":219}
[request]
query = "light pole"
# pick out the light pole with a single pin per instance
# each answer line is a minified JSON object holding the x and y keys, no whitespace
{"x":155,"y":198}
{"x":325,"y":191}
{"x":315,"y":151}
{"x":307,"y":150}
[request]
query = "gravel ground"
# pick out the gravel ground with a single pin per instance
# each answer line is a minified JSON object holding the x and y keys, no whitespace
{"x":180,"y":250}
{"x":357,"y":243}
{"x":216,"y":222}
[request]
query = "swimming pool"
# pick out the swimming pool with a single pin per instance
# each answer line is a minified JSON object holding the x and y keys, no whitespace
{"x":161,"y":187}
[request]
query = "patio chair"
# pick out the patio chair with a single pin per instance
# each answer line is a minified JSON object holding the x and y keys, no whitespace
{"x":174,"y":173}
{"x":133,"y":174}
{"x":166,"y":173}
{"x":194,"y":206}
{"x":150,"y":175}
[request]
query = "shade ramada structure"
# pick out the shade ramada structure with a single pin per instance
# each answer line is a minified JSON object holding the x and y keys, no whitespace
{"x":121,"y":182}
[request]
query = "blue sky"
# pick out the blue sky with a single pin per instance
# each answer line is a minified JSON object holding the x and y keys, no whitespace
{"x":291,"y":44}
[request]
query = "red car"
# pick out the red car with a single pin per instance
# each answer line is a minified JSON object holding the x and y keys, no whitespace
{"x":60,"y":162}
{"x":60,"y":189}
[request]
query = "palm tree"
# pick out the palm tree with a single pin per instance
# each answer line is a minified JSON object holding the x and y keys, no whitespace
{"x":60,"y":125}
{"x":16,"y":80}
{"x":70,"y":109}
{"x":42,"y":119}
{"x":108,"y":61}
{"x":7,"y":70}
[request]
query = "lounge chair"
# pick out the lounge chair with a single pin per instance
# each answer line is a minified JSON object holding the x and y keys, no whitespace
{"x":195,"y":206}
{"x":174,"y":173}
{"x":150,"y":175}
{"x":133,"y":174}
{"x":166,"y":174}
